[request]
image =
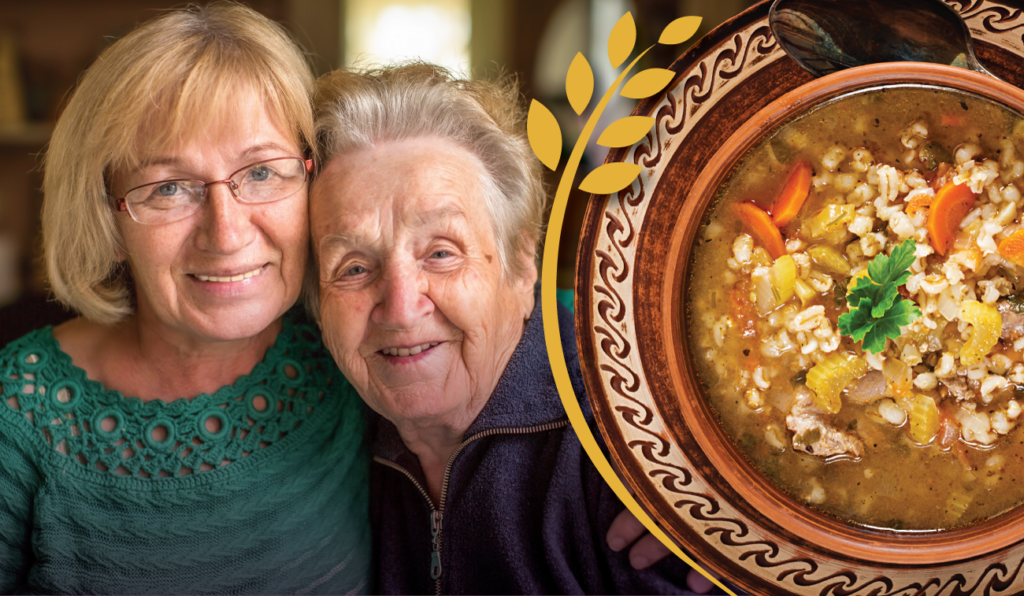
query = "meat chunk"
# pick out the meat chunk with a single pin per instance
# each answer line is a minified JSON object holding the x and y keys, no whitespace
{"x":868,"y":389}
{"x":813,"y":434}
{"x":958,"y":388}
{"x":1013,"y":321}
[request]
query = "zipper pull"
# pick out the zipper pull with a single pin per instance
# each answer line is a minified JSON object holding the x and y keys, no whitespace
{"x":435,"y":555}
{"x":435,"y":533}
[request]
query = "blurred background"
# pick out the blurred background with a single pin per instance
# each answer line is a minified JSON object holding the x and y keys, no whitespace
{"x":46,"y":44}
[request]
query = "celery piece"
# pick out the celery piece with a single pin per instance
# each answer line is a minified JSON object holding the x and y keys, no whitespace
{"x":987,"y":324}
{"x":831,"y":222}
{"x":828,"y":378}
{"x":783,"y":278}
{"x":830,"y":260}
{"x":924,"y":418}
{"x":957,"y":504}
{"x":804,"y":291}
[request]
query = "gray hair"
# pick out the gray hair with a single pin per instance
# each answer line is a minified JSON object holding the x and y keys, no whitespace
{"x":358,"y":110}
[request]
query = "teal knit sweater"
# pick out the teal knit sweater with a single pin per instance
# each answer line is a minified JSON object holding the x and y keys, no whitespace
{"x":260,"y":487}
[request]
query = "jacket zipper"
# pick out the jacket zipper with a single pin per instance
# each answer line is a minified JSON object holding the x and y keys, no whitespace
{"x":437,"y":515}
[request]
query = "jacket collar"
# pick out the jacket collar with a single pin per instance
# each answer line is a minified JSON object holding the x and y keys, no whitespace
{"x":524,"y":396}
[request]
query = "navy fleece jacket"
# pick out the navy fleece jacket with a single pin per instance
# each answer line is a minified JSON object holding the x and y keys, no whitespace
{"x":525,"y":510}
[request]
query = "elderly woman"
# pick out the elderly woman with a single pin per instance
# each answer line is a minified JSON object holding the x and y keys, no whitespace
{"x":425,"y":220}
{"x":188,"y":433}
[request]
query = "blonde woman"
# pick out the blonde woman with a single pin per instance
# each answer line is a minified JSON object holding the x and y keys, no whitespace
{"x":188,"y":432}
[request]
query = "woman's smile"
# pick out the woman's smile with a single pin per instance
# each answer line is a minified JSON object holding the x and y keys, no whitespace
{"x":228,"y":277}
{"x":408,"y":352}
{"x":250,"y":282}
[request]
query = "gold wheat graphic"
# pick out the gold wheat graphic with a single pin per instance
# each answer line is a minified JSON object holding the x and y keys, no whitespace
{"x":546,"y":136}
{"x":546,"y":141}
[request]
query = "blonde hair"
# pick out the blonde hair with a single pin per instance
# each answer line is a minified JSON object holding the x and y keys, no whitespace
{"x":164,"y":83}
{"x":357,"y":110}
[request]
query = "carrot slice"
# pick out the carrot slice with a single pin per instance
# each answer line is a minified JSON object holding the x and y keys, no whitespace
{"x":1012,"y":247}
{"x":953,"y":120}
{"x":949,"y":428}
{"x":745,"y":314}
{"x":950,"y":205}
{"x":918,"y":203}
{"x":793,"y":195}
{"x":760,"y":226}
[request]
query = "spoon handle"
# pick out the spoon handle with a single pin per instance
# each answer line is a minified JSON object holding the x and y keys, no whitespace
{"x":972,"y":62}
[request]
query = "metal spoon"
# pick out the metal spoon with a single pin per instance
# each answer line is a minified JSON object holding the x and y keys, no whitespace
{"x":824,"y":36}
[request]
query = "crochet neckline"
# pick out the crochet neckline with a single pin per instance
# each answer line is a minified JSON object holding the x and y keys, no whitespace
{"x":112,"y":396}
{"x":72,"y":418}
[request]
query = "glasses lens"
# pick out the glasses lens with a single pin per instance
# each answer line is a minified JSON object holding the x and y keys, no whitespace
{"x":165,"y":201}
{"x":271,"y":180}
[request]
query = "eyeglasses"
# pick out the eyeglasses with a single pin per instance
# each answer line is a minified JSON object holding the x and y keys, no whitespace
{"x":168,"y":201}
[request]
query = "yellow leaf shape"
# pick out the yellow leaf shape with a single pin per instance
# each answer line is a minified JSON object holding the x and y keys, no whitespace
{"x":544,"y":134}
{"x":621,"y":40}
{"x":579,"y":83}
{"x":609,"y":178}
{"x":626,"y":131}
{"x":647,"y":82}
{"x":679,"y":30}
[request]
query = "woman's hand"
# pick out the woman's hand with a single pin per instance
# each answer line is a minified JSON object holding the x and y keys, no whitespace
{"x":647,"y":550}
{"x":625,"y":530}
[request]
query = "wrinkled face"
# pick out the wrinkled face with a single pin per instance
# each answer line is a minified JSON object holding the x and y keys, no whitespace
{"x":415,"y":307}
{"x":228,"y":271}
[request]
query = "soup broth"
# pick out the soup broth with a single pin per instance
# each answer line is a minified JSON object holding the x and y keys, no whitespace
{"x":924,"y":434}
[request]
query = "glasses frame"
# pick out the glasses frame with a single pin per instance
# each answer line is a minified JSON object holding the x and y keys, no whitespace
{"x":121,"y":203}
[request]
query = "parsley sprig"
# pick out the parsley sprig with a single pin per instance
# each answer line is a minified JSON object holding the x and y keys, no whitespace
{"x":876,"y":311}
